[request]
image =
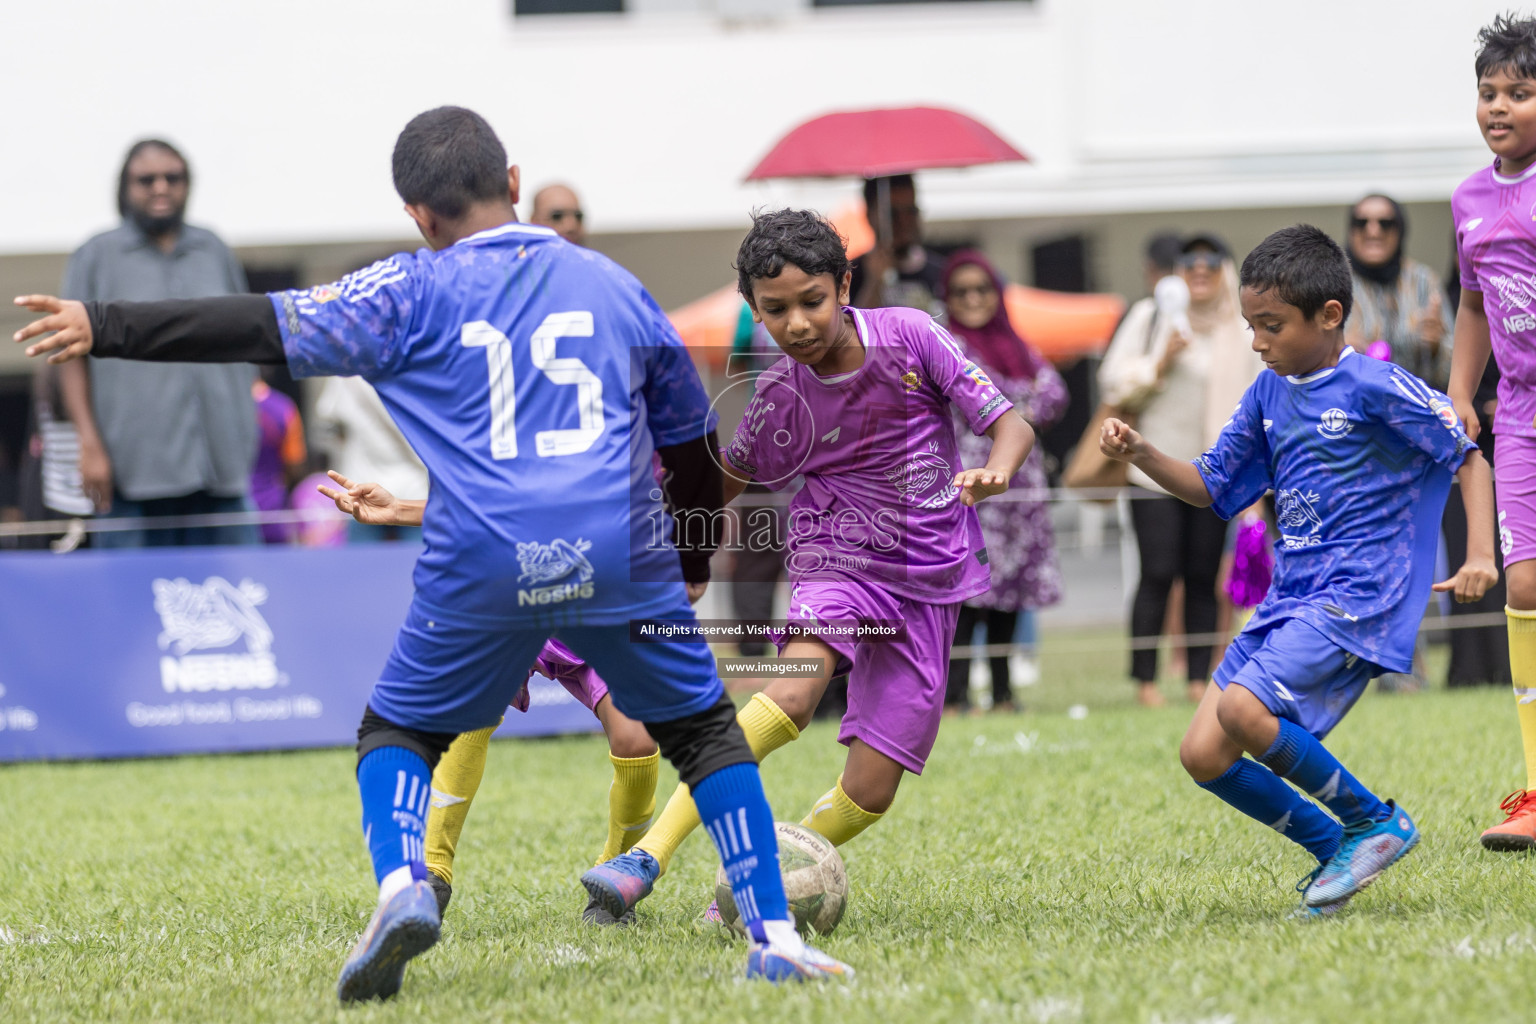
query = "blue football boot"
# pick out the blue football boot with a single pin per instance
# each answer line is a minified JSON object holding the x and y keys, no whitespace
{"x":1369,"y":848}
{"x":406,"y":926}
{"x":1306,"y":913}
{"x":776,"y":962}
{"x":617,"y":885}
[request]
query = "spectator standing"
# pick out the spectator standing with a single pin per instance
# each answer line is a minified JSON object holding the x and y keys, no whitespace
{"x":1397,"y":299}
{"x":167,"y":439}
{"x":1021,"y":545}
{"x":1181,"y":376}
{"x":1479,"y":655}
{"x":557,"y":207}
{"x":281,"y":457}
{"x":899,"y":270}
{"x":1402,"y":302}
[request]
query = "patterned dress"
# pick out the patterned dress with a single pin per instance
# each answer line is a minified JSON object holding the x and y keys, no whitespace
{"x":1021,"y":544}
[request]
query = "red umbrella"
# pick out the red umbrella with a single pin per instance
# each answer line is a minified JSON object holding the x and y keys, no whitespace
{"x":877,"y":143}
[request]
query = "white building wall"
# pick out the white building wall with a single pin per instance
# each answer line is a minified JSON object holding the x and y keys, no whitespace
{"x":1228,"y":114}
{"x":289,"y":108}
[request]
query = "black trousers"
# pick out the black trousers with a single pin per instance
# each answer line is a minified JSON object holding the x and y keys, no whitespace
{"x":1479,"y":656}
{"x":1000,"y":626}
{"x":1176,"y":541}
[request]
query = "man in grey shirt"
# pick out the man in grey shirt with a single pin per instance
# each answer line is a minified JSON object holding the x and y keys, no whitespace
{"x":168,"y":439}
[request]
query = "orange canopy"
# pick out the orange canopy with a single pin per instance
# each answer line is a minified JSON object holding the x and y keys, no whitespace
{"x":1061,"y":325}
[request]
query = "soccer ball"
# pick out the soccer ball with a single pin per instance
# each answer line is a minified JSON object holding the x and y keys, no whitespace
{"x":815,"y":882}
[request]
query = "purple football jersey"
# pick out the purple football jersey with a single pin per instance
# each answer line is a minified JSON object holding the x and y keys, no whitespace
{"x":1495,"y":220}
{"x":878,"y":453}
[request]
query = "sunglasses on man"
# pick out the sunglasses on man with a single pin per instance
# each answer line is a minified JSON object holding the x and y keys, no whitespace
{"x":1384,"y":223}
{"x":174,"y":179}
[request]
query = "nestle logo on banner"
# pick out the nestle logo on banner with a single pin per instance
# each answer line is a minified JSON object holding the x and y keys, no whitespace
{"x":210,"y":615}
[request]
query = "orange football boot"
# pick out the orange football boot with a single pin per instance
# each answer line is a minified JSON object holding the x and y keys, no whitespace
{"x":1518,"y":831}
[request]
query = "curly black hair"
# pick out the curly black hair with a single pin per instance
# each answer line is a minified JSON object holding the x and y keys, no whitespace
{"x":779,"y":237}
{"x":1507,"y":43}
{"x":1304,"y":266}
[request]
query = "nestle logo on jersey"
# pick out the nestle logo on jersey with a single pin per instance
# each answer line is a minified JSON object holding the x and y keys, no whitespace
{"x":544,"y":563}
{"x":1520,"y":322}
{"x":554,"y":595}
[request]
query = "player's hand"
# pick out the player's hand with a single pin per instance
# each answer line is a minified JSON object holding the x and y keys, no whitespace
{"x":976,"y":484}
{"x":1119,"y":441}
{"x":1467,"y":413}
{"x":1471,"y":581}
{"x":66,"y":318}
{"x":96,"y":476}
{"x":368,"y":503}
{"x":696,"y":591}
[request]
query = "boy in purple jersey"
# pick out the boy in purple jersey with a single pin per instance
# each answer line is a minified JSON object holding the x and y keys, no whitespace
{"x":883,"y":541}
{"x":1360,"y":456}
{"x":1495,"y":216}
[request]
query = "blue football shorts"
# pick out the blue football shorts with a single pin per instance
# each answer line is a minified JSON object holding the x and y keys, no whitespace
{"x":446,"y":678}
{"x":1297,"y":672}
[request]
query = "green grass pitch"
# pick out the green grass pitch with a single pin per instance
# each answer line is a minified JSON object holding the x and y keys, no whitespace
{"x":1045,"y":869}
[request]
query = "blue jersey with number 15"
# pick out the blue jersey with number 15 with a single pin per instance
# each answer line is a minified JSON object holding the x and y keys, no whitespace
{"x":534,"y":379}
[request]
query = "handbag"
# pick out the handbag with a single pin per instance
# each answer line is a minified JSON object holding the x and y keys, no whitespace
{"x":1090,"y":468}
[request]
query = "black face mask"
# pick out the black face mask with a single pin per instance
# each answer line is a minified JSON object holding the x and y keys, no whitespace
{"x":156,"y":227}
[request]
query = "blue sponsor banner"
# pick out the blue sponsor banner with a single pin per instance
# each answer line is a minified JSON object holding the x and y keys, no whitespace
{"x":193,"y":650}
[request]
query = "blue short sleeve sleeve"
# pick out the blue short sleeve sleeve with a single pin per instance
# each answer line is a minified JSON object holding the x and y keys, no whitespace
{"x":355,"y":327}
{"x":1425,"y":419}
{"x":961,"y":380}
{"x":1236,"y":469}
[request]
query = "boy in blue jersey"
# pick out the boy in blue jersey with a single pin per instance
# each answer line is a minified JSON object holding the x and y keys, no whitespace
{"x":535,"y":380}
{"x":1360,"y":455}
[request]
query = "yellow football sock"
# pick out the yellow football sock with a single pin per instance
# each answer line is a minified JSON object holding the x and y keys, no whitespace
{"x":631,"y":801}
{"x":1522,"y":669}
{"x":454,"y":784}
{"x":767,"y":727}
{"x":837,"y":817}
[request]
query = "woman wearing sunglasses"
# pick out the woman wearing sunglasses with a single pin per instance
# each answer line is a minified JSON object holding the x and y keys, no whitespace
{"x":1397,"y":300}
{"x":1180,"y":373}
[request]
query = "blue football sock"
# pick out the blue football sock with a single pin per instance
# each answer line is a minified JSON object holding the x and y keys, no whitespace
{"x":1297,"y":755}
{"x":396,"y":785}
{"x":1260,"y":794}
{"x":735,"y":814}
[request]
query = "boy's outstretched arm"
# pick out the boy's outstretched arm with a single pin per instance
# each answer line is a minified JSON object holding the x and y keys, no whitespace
{"x":1012,"y":441}
{"x":1181,"y":479}
{"x":1478,"y":572}
{"x":221,"y":329}
{"x":1469,"y":356}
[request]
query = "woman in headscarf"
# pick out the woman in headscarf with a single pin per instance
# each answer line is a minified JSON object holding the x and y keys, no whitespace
{"x":1021,"y":546}
{"x":1402,"y":302}
{"x":1397,"y":300}
{"x":1180,"y":373}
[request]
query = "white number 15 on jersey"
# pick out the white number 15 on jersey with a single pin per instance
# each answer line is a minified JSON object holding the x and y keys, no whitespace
{"x":498,"y":358}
